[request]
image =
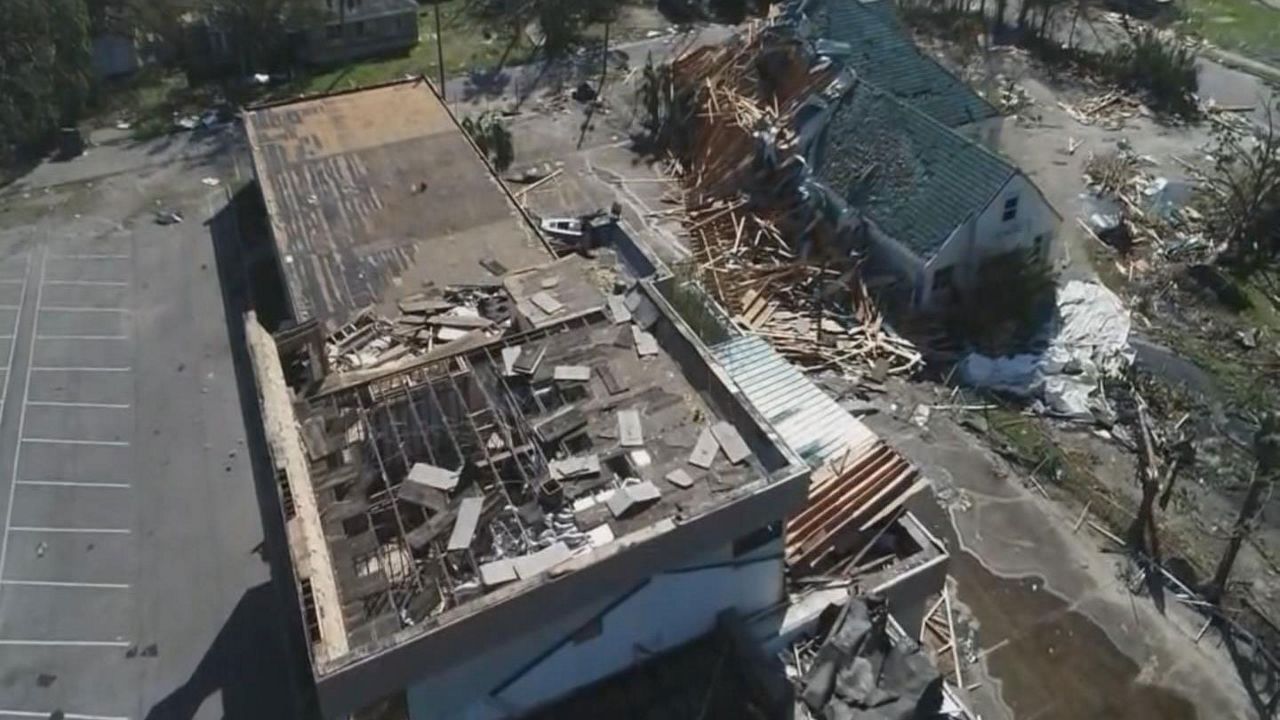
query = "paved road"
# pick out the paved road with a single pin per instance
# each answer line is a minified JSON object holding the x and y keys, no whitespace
{"x":132,"y":575}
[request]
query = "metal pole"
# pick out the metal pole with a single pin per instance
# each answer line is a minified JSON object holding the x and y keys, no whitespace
{"x":604,"y":63}
{"x":439,"y":48}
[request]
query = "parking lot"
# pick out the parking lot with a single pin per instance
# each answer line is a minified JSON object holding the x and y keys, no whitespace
{"x":132,"y":575}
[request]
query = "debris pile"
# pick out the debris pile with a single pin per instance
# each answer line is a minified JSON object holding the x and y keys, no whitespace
{"x":1109,"y":110}
{"x":865,"y":670}
{"x":849,"y":500}
{"x":765,"y":243}
{"x":1132,"y":207}
{"x":426,"y":321}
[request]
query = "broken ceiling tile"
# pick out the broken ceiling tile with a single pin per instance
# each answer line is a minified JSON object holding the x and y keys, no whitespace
{"x":464,"y":529}
{"x":611,"y":382}
{"x":629,"y":497}
{"x":432,"y":476}
{"x":497,"y":573}
{"x":618,"y":309}
{"x":680,"y":478}
{"x":704,"y":453}
{"x":529,"y":359}
{"x":529,"y":565}
{"x":646,"y":344}
{"x":600,"y":535}
{"x":546,"y":303}
{"x":630,"y":434}
{"x":509,"y":356}
{"x":449,"y":334}
{"x":572,"y":373}
{"x":574,"y":467}
{"x":731,"y":442}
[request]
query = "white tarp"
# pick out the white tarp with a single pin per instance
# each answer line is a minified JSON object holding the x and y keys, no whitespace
{"x":1090,"y":341}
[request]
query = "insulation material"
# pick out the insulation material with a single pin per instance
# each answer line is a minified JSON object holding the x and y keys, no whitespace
{"x":1090,"y":342}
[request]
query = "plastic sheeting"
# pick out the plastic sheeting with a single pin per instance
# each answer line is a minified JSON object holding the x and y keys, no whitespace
{"x":1091,"y":341}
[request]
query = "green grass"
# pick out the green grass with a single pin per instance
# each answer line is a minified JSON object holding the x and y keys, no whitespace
{"x":1245,"y":26}
{"x":467,"y":46}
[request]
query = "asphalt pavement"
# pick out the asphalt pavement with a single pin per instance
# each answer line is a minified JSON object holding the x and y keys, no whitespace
{"x":134,"y":580}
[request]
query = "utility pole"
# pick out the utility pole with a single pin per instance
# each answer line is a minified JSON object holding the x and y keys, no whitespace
{"x":439,"y":48}
{"x":604,"y":63}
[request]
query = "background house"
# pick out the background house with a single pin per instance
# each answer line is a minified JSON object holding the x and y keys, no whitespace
{"x":359,"y":28}
{"x":930,"y":205}
{"x":868,"y":39}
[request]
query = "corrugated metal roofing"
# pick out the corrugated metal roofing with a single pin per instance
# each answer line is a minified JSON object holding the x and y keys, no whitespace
{"x":808,"y":420}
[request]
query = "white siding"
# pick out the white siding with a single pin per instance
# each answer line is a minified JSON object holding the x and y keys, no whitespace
{"x":545,"y":663}
{"x":991,"y":235}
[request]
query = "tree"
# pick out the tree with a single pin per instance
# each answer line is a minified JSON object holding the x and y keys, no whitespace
{"x":1266,"y":445}
{"x":258,"y":28}
{"x":492,"y":138}
{"x":1241,"y":193}
{"x":44,"y":69}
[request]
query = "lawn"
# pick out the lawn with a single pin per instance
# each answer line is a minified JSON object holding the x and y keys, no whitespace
{"x":1249,"y":27}
{"x":467,"y":46}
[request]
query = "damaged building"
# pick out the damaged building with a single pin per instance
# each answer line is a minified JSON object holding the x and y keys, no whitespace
{"x":507,"y":475}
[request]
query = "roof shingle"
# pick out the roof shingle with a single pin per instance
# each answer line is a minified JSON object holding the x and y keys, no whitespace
{"x":884,"y":54}
{"x":916,"y":179}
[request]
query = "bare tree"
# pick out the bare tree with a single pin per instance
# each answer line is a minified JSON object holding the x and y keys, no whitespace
{"x":1242,"y":191}
{"x":1266,"y":444}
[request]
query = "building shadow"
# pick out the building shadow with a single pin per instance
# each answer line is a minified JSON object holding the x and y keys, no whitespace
{"x":258,"y":661}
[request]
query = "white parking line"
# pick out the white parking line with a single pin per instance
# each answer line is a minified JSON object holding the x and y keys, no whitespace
{"x":82,"y":337}
{"x":88,"y":283}
{"x":69,"y":368}
{"x":86,"y":531}
{"x":67,"y":643}
{"x":90,"y":256}
{"x":22,"y":413}
{"x":66,"y":584}
{"x":65,"y":715}
{"x":55,"y":403}
{"x":74,"y":483}
{"x":75,"y":309}
{"x":72,"y":441}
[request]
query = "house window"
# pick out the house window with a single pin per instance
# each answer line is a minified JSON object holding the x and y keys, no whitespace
{"x":333,"y":32}
{"x":359,"y":27}
{"x":942,"y":278}
{"x":1010,"y":209}
{"x":353,"y":4}
{"x":1037,"y":246}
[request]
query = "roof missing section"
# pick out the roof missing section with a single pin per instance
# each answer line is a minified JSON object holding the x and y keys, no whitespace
{"x":359,"y":185}
{"x":513,"y":471}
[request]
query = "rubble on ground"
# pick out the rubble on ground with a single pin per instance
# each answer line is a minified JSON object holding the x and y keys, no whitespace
{"x":763,"y":241}
{"x":867,"y":669}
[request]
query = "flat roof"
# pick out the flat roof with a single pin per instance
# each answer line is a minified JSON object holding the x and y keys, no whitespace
{"x":374,"y":194}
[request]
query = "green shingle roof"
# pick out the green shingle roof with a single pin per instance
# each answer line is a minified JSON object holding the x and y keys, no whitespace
{"x":916,"y":179}
{"x":884,"y":54}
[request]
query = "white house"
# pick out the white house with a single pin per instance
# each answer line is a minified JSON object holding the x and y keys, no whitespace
{"x":930,"y":204}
